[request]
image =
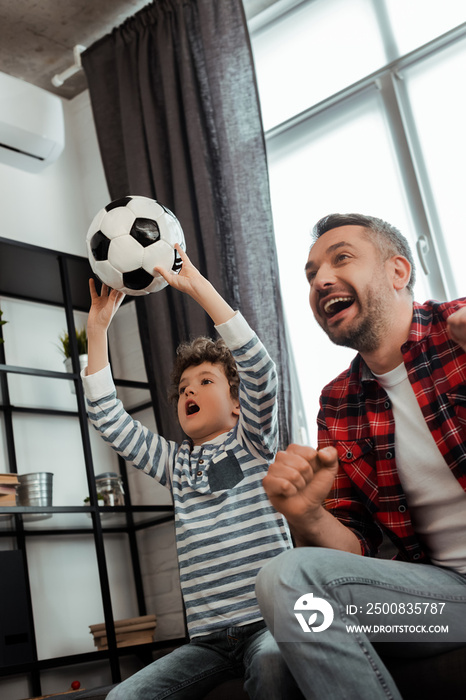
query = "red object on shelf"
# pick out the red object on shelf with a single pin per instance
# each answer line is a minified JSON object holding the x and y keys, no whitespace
{"x":76,"y":685}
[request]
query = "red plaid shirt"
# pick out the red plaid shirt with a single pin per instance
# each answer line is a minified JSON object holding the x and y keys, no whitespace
{"x":356,"y":418}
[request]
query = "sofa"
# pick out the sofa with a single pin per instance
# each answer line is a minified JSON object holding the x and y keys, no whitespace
{"x":439,"y":676}
{"x":430,"y":678}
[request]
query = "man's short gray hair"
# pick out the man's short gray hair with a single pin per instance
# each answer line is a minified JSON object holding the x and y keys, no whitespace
{"x":389,"y":240}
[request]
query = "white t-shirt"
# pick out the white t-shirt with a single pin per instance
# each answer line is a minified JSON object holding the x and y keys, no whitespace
{"x":436,"y":499}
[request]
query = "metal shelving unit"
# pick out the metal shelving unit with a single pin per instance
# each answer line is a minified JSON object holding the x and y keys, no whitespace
{"x":36,"y":274}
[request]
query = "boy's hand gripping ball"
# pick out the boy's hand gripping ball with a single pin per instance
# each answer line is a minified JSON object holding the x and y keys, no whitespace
{"x":128,"y":238}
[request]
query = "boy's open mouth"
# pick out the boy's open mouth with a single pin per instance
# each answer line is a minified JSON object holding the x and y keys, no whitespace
{"x":333,"y":306}
{"x":191,"y":408}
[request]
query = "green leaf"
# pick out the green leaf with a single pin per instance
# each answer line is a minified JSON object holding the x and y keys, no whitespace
{"x":81,"y":339}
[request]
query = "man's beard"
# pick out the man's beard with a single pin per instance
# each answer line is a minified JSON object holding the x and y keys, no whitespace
{"x":366,"y":335}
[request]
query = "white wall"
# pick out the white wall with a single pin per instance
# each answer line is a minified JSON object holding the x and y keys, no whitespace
{"x":53,"y":209}
{"x":50,"y":208}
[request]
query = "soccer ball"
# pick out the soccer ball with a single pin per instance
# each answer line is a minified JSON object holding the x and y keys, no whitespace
{"x":128,"y":238}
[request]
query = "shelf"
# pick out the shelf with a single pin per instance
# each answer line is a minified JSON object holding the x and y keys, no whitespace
{"x":37,"y":276}
{"x":72,"y":659}
{"x":13,"y":510}
{"x":44,"y":276}
{"x":15,"y":369}
{"x":47,"y":520}
{"x":71,"y":520}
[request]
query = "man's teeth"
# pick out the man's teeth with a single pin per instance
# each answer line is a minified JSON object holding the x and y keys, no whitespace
{"x":337,"y":300}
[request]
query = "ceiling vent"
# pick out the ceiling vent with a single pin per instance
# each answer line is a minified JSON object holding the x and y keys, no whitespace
{"x":32,"y":131}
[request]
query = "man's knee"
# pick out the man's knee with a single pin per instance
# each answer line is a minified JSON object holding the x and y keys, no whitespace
{"x":300,"y":568}
{"x":271,"y":575}
{"x":280,"y":575}
{"x":116,"y":693}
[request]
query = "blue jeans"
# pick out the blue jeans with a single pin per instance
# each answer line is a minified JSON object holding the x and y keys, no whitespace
{"x":192,"y":670}
{"x":343,"y":664}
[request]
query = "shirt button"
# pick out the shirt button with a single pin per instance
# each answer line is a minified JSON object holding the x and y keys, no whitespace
{"x":199,"y":473}
{"x":386,"y":404}
{"x":388,"y":455}
{"x":402,"y":509}
{"x":201,"y":461}
{"x":416,"y":556}
{"x":349,"y":455}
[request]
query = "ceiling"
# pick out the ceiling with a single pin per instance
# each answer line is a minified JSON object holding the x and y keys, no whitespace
{"x":37,"y":36}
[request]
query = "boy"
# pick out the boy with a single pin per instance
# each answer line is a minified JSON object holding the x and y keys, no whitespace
{"x":226,"y":528}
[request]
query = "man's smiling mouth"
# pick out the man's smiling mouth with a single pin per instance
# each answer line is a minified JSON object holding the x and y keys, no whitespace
{"x":337,"y":304}
{"x":191,"y":408}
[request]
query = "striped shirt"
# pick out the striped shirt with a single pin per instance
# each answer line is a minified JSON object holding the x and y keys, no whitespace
{"x":356,"y":417}
{"x":226,"y":528}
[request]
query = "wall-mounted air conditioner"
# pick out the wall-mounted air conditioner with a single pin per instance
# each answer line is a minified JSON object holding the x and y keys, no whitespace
{"x":32,"y":131}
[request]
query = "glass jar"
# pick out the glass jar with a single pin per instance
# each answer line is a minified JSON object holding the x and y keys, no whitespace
{"x":109,"y":485}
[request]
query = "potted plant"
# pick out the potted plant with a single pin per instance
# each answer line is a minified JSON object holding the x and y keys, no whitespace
{"x":100,"y":502}
{"x":100,"y":498}
{"x":65,"y":347}
{"x":2,"y":323}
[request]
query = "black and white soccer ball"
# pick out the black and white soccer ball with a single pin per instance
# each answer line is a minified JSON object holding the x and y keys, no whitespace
{"x":128,"y":238}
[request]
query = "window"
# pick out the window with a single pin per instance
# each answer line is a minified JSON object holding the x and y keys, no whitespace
{"x":416,"y":22}
{"x":363,"y":109}
{"x":438,"y":104}
{"x":297,"y":61}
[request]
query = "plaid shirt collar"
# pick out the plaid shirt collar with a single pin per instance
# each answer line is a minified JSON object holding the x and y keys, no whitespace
{"x":421,"y":325}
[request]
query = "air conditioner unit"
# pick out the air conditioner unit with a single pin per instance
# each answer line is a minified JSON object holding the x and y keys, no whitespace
{"x":32,"y":131}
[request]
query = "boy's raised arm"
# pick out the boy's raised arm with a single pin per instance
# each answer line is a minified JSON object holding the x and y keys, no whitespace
{"x":103,"y":308}
{"x":190,"y":281}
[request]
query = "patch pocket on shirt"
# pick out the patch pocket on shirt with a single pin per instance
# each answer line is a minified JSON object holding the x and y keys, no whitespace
{"x":352,"y":450}
{"x":224,"y":472}
{"x":457,"y":398}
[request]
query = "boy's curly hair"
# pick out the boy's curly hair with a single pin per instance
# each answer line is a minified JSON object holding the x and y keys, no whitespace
{"x":201,"y":350}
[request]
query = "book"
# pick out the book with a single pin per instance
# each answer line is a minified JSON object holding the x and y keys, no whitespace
{"x":137,"y":639}
{"x":133,"y":630}
{"x":122,"y":629}
{"x":8,"y":499}
{"x":8,"y":484}
{"x":128,"y":622}
{"x":7,"y":490}
{"x":123,"y":636}
{"x":8,"y":478}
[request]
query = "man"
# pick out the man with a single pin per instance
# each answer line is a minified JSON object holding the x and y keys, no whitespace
{"x":392,"y":458}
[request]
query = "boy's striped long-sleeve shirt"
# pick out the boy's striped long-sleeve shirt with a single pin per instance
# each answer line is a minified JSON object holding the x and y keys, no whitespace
{"x":226,"y":528}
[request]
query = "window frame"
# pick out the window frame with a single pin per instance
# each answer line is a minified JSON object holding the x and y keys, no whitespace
{"x":430,"y":244}
{"x":388,"y":80}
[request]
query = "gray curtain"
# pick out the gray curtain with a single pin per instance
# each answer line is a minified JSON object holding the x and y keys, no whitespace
{"x":175,"y":103}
